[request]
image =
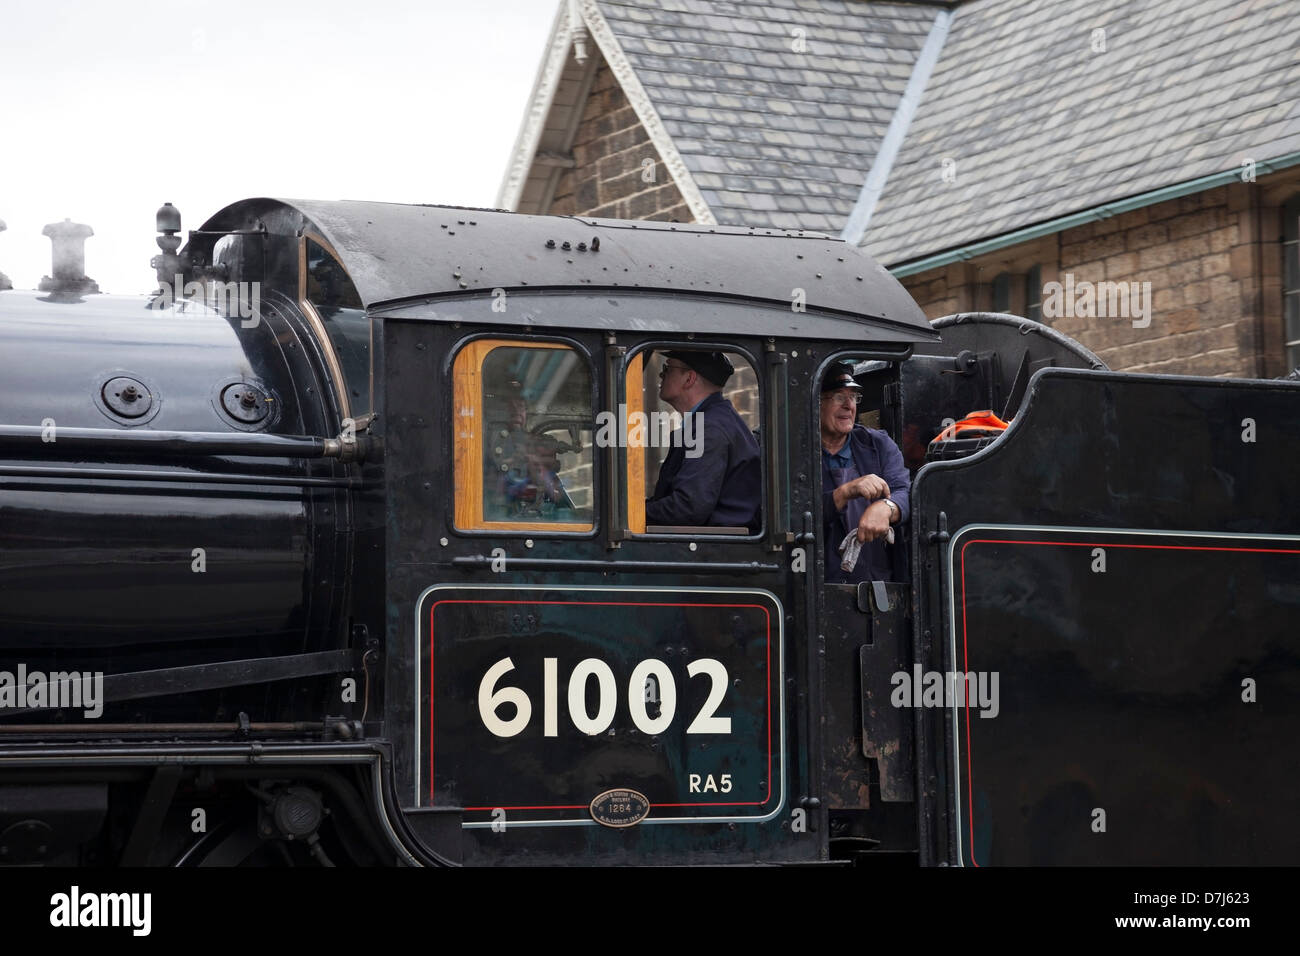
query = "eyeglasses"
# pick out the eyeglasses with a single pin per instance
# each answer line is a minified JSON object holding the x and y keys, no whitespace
{"x":673,"y":368}
{"x":844,"y":397}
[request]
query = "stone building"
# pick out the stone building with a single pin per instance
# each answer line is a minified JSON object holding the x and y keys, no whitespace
{"x":1128,"y":172}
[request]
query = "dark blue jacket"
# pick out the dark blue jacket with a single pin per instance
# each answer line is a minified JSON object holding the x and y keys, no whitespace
{"x":723,"y":486}
{"x":874,"y":453}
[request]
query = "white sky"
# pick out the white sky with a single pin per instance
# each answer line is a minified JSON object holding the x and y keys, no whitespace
{"x":109,"y":108}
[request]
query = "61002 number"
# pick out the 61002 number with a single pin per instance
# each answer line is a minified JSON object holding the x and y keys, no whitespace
{"x":491,"y":698}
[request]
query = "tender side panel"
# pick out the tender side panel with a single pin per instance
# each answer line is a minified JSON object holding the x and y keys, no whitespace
{"x":1118,"y":685}
{"x":1118,"y":596}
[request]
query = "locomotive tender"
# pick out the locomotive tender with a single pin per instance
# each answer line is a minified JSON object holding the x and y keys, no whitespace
{"x":320,"y":556}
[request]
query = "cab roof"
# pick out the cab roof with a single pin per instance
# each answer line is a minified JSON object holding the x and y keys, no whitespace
{"x":396,"y":254}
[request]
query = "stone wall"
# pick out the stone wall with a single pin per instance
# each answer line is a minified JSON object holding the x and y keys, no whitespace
{"x":1213,"y":262}
{"x":1197,"y":254}
{"x":611,"y":177}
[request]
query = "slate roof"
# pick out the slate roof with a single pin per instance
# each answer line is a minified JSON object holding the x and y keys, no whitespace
{"x":1040,"y":126}
{"x":772,"y":136}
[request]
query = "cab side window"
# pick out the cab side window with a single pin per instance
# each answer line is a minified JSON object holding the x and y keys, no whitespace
{"x":522,"y":437}
{"x":654,"y":423}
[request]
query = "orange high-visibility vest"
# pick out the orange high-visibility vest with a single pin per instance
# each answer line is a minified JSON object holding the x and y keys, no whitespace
{"x":983,"y":424}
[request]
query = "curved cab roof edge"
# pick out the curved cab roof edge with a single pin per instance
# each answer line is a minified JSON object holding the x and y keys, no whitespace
{"x":394,"y":252}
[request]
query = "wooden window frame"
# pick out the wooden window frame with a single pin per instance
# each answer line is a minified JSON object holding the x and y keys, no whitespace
{"x":467,"y":446}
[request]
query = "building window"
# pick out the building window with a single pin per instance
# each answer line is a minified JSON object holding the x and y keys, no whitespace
{"x":1015,"y":293}
{"x":522,"y":437}
{"x":1034,"y":294}
{"x":1002,"y":292}
{"x":1291,"y":281}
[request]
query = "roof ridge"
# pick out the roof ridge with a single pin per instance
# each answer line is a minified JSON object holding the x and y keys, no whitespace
{"x":899,"y":123}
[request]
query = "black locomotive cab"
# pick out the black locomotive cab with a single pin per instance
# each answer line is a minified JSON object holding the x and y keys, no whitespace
{"x":576,"y":669}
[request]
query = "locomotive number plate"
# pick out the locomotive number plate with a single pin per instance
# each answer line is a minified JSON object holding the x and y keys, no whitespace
{"x":532,"y":700}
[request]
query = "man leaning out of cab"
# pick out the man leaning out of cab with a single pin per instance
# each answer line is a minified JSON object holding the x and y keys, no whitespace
{"x":865,"y":485}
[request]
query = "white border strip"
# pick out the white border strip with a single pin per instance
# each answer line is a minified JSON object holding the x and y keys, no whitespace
{"x":952,"y":608}
{"x":539,"y":108}
{"x":780,"y":677}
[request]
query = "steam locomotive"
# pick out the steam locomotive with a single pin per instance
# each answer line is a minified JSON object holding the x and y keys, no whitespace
{"x":321,"y":555}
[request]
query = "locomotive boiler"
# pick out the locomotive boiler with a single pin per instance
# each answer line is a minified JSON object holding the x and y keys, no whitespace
{"x":322,"y":555}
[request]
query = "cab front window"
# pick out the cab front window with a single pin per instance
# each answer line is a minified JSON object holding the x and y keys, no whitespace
{"x":328,"y":294}
{"x":522,"y":437}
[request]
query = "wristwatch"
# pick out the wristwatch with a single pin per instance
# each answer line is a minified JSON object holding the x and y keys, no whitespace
{"x":898,"y":512}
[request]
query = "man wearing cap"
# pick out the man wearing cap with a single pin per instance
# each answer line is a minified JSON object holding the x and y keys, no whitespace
{"x":719,"y":484}
{"x":864,"y":485}
{"x":521,"y":469}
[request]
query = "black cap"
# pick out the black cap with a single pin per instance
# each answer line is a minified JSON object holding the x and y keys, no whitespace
{"x":711,"y":365}
{"x":503,"y":391}
{"x":838,"y":377}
